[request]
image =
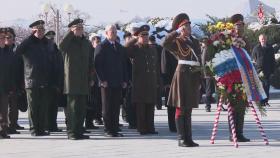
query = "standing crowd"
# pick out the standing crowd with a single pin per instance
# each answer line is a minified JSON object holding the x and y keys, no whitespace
{"x":94,"y":79}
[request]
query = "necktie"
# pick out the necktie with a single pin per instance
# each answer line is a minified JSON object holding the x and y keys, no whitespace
{"x":114,"y":46}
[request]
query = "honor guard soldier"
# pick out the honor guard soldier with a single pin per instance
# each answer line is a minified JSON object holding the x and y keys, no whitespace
{"x":184,"y":89}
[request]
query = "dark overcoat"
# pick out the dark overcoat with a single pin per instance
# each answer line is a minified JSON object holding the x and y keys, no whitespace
{"x":145,"y":72}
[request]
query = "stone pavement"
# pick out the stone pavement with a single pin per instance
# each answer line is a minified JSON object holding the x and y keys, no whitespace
{"x":163,"y":145}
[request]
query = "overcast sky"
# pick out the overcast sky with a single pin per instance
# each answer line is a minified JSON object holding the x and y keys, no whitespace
{"x":123,"y":10}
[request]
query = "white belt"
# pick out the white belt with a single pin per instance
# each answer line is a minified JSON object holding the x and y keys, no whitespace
{"x":189,"y":62}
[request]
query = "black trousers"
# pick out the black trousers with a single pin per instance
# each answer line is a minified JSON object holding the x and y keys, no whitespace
{"x":3,"y":114}
{"x":111,"y":100}
{"x":145,"y":117}
{"x":171,"y":113}
{"x":52,"y":110}
{"x":13,"y":110}
{"x":266,"y":85}
{"x":184,"y":125}
{"x":238,"y":115}
{"x":209,"y":86}
{"x":129,"y":109}
{"x":38,"y":102}
{"x":97,"y":103}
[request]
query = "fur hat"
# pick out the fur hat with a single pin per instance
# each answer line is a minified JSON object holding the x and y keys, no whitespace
{"x":180,"y":20}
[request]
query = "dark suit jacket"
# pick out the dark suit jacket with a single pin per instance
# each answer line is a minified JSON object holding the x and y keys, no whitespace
{"x":264,"y":58}
{"x":111,"y":63}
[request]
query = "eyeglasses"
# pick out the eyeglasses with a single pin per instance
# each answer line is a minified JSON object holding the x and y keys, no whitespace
{"x":144,"y":34}
{"x":40,"y":28}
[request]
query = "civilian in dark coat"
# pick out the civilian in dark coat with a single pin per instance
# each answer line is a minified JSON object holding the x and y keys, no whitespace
{"x":56,"y":86}
{"x":168,"y":67}
{"x":209,"y":82}
{"x":6,"y":82}
{"x":94,"y":110}
{"x":111,"y":70}
{"x":13,"y":96}
{"x":129,"y":109}
{"x":263,"y":56}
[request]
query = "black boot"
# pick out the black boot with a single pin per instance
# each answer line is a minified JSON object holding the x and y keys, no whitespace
{"x":171,"y":119}
{"x":188,"y":125}
{"x":239,"y":124}
{"x":180,"y":121}
{"x":238,"y":117}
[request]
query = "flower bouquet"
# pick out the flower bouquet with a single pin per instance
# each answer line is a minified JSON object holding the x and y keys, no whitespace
{"x":231,"y":66}
{"x":237,"y":80}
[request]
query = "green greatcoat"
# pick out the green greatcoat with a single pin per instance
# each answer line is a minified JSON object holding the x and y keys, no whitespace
{"x":78,"y":72}
{"x":78,"y":68}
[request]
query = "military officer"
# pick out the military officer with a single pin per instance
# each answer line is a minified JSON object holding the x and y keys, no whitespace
{"x":36,"y":53}
{"x":76,"y":51}
{"x":145,"y":79}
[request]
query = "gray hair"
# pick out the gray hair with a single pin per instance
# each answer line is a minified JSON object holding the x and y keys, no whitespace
{"x":109,"y":27}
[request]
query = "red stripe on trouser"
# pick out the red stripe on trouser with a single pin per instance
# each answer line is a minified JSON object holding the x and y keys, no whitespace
{"x":178,"y":112}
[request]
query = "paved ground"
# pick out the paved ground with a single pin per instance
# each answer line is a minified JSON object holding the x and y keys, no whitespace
{"x":163,"y":145}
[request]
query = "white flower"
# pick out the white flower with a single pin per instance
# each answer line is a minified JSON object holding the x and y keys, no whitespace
{"x":277,"y":56}
{"x":216,"y":43}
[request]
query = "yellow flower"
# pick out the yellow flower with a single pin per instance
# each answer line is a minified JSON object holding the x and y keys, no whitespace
{"x":228,"y":41}
{"x":229,"y":26}
{"x":220,"y":26}
{"x":211,"y":28}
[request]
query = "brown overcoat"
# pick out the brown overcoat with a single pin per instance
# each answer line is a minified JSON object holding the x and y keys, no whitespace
{"x":145,"y":72}
{"x":184,"y":90}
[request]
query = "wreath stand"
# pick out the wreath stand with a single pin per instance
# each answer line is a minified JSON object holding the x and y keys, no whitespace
{"x":231,"y":122}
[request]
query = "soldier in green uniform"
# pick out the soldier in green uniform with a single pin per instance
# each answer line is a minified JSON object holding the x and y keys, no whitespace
{"x":76,"y":51}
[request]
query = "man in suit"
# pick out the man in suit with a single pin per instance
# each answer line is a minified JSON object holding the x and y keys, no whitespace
{"x":263,"y":56}
{"x":111,"y":70}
